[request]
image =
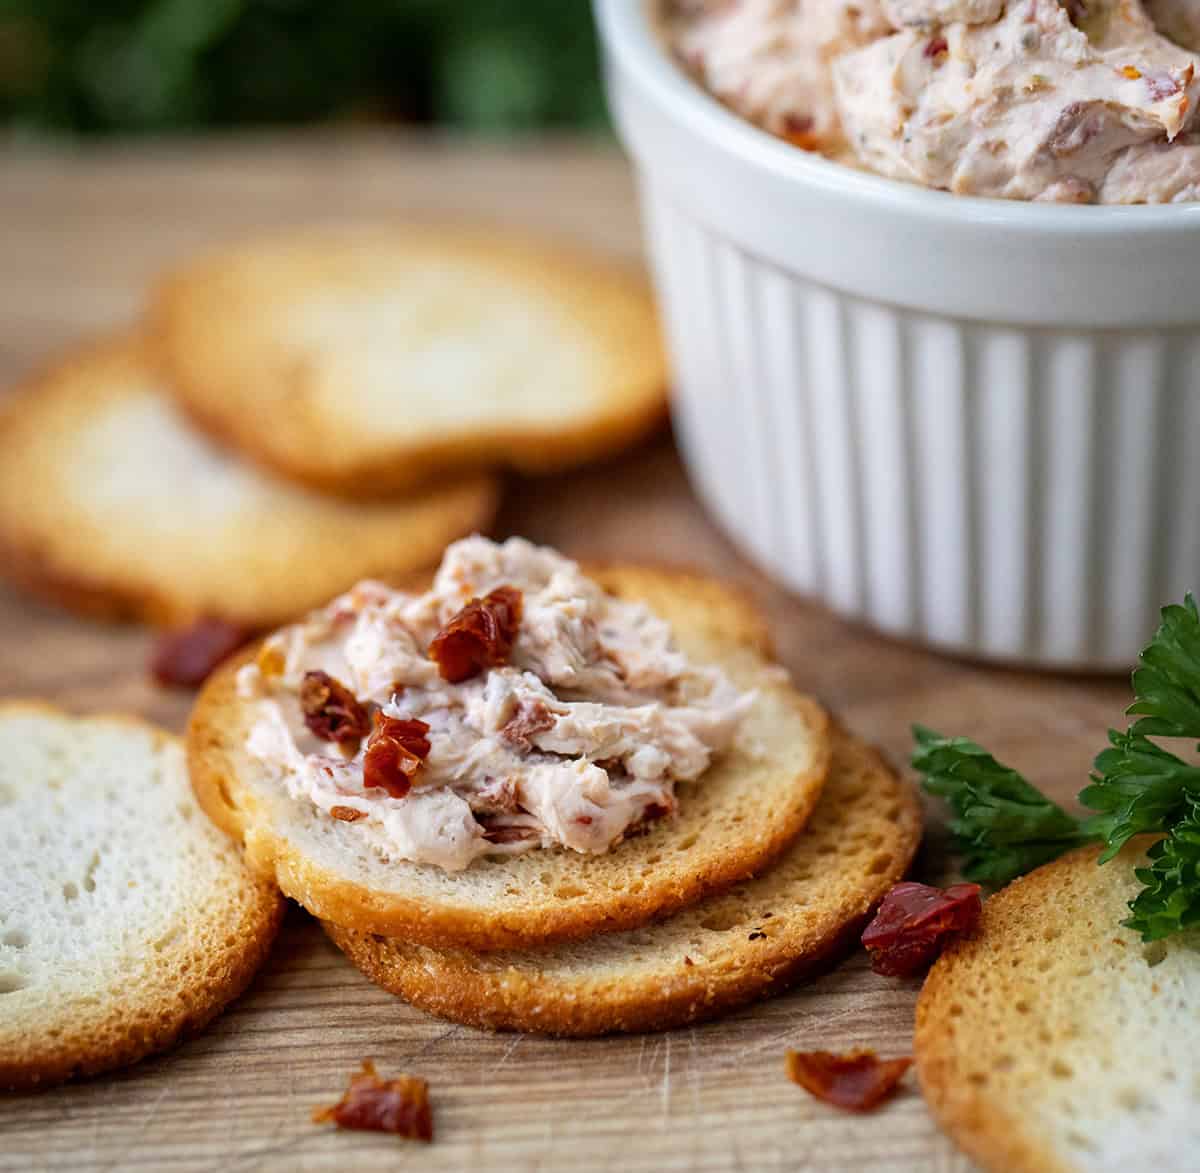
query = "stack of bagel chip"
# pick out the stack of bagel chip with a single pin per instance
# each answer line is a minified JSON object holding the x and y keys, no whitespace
{"x":294,"y":414}
{"x":767,"y":872}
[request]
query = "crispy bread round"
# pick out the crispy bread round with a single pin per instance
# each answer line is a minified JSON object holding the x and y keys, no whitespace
{"x":1055,"y":1040}
{"x":381,"y":357}
{"x":701,"y":962}
{"x":126,"y":918}
{"x":732,"y":822}
{"x":111,"y":505}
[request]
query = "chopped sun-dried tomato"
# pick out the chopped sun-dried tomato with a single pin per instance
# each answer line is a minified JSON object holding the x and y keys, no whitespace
{"x":800,"y":131}
{"x":480,"y":636}
{"x":857,"y":1081}
{"x":331,"y":710}
{"x":532,"y":717}
{"x":495,"y":832}
{"x":914,"y":924}
{"x":399,"y":1105}
{"x":936,"y":47}
{"x":185,"y":657}
{"x":347,"y":814}
{"x":498,"y":796}
{"x":655,"y":811}
{"x":395,"y":751}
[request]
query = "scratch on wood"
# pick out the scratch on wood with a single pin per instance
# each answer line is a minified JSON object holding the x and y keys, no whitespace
{"x":508,"y":1051}
{"x":780,"y":1040}
{"x":257,"y":1156}
{"x":140,"y":1131}
{"x":695,"y":1072}
{"x":652,"y":1062}
{"x":437,"y":1039}
{"x":666,"y":1079}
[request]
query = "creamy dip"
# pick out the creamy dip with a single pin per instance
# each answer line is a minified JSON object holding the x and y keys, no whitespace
{"x":1082,"y":101}
{"x":771,"y":60}
{"x":575,"y":741}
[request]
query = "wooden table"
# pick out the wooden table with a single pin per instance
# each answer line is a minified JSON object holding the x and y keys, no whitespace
{"x":80,"y":235}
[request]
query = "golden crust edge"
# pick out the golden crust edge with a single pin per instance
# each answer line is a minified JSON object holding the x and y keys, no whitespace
{"x":684,"y":1004}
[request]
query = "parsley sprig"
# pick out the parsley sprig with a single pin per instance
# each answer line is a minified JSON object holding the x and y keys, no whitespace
{"x":1004,"y":826}
{"x":1170,"y":899}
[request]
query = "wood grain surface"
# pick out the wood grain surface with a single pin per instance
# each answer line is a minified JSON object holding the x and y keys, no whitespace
{"x":80,"y":235}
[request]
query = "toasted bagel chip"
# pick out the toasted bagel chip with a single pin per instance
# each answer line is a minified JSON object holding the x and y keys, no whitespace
{"x":731,"y":823}
{"x":1055,"y":1039}
{"x":703,"y":961}
{"x":112,"y":505}
{"x":126,"y":919}
{"x":371,"y":359}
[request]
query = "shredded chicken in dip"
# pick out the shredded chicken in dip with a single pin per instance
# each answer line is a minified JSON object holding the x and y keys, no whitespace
{"x":574,"y":734}
{"x":1077,"y":101}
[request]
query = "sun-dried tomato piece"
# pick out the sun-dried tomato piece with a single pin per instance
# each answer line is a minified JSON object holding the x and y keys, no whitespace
{"x":400,"y":1105}
{"x":1078,"y":124}
{"x":497,"y":832}
{"x":498,"y":796}
{"x":185,"y":658}
{"x":800,"y":131}
{"x":331,"y":710}
{"x":480,"y":636}
{"x":396,"y":750}
{"x":856,"y":1081}
{"x":915,"y":923}
{"x":532,"y":717}
{"x":347,"y":814}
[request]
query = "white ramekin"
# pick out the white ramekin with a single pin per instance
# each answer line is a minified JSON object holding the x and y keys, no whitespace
{"x":975,"y":423}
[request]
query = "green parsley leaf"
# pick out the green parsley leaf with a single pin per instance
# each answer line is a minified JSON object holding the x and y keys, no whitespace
{"x":1002,"y":825}
{"x":1167,"y":682}
{"x":1138,"y":786}
{"x":1005,"y":827}
{"x":1170,"y":899}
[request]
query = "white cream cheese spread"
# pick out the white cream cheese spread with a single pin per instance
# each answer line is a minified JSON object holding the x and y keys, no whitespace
{"x":1083,"y":101}
{"x":771,"y":60}
{"x":575,"y":740}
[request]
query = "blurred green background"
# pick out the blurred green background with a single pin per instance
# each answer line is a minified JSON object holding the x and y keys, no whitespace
{"x":145,"y":66}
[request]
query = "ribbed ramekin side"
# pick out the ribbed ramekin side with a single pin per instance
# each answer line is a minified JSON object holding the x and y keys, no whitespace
{"x":728,"y":333}
{"x":1017,"y":494}
{"x":1081,"y":489}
